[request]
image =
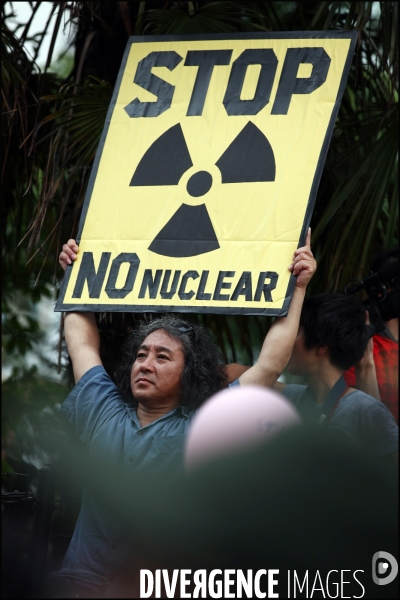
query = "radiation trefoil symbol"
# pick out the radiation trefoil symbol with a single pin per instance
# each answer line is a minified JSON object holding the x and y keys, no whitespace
{"x":189,"y":232}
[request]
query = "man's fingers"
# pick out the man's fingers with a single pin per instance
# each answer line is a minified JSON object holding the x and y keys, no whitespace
{"x":302,"y":256}
{"x":73,"y":245}
{"x":303,"y":260}
{"x":68,"y":253}
{"x":306,"y":250}
{"x":64,"y":260}
{"x":304,"y":264}
{"x":300,"y":265}
{"x":65,"y":255}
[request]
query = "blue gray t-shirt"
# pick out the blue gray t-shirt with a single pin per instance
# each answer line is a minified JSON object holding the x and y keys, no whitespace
{"x":358,"y":416}
{"x":106,"y":424}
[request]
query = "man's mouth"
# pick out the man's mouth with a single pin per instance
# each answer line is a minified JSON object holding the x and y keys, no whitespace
{"x":143,"y":380}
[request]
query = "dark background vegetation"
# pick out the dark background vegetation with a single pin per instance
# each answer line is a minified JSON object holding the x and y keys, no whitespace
{"x":52,"y":119}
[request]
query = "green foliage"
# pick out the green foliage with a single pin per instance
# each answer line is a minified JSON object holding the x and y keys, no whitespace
{"x":52,"y":122}
{"x":356,"y":209}
{"x":25,"y":393}
{"x":63,"y":66}
{"x":24,"y":282}
{"x":201,"y":17}
{"x":33,"y":429}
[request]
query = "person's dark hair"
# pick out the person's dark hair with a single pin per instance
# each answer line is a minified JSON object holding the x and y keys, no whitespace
{"x":381,"y":258}
{"x":204,"y":373}
{"x":338,"y":322}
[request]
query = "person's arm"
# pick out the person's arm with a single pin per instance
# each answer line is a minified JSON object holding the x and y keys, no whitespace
{"x":81,"y":333}
{"x":278,"y":344}
{"x":279,"y":386}
{"x":366,"y":373}
{"x":234,"y":371}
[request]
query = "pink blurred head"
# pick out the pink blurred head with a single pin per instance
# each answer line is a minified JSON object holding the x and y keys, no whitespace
{"x":237,"y":418}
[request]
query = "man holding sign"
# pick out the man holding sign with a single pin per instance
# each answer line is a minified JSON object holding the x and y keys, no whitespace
{"x":83,"y":339}
{"x":201,"y":191}
{"x":148,"y":433}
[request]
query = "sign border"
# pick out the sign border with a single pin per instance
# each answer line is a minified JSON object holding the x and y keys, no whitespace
{"x":277,"y":312}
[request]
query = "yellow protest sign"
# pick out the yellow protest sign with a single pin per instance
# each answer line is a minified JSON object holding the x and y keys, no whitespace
{"x":207,"y":171}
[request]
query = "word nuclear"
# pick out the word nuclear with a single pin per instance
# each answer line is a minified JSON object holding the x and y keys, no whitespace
{"x":206,"y":60}
{"x":159,"y":281}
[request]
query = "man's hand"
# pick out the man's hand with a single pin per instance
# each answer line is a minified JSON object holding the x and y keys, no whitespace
{"x":278,"y":344}
{"x":304,"y":264}
{"x":367,"y":360}
{"x":80,"y":329}
{"x":68,"y":253}
{"x":366,"y":379}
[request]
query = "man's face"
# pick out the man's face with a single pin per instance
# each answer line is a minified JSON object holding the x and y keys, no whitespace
{"x":157,"y":370}
{"x":303,"y":360}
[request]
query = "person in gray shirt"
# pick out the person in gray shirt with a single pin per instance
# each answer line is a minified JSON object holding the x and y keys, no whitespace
{"x":333,"y":336}
{"x":141,"y":422}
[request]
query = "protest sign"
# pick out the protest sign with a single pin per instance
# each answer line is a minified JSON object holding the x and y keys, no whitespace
{"x":207,"y":171}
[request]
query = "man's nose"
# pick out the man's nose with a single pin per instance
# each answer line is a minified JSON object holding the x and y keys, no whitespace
{"x":147,"y":364}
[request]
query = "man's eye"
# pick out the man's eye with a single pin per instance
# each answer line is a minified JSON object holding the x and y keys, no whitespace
{"x":163,"y":356}
{"x":141,"y":355}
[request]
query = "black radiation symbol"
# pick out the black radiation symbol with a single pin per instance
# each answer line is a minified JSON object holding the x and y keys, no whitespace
{"x":189,"y":232}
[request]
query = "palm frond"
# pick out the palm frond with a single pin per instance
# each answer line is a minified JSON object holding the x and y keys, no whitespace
{"x":59,"y":127}
{"x":77,"y":118}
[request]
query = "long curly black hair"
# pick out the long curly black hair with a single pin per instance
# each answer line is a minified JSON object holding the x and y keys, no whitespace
{"x":204,"y":373}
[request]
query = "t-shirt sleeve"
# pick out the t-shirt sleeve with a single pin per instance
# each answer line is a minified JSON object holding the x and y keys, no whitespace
{"x":379,"y":431}
{"x":293,"y":392}
{"x":94,"y":400}
{"x":368,"y":422}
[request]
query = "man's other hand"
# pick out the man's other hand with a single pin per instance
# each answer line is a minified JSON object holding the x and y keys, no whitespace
{"x":68,"y":253}
{"x":81,"y":333}
{"x":304,"y":264}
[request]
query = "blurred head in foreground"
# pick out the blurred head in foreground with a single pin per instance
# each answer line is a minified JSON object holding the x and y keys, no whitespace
{"x":304,"y":500}
{"x":235,"y":419}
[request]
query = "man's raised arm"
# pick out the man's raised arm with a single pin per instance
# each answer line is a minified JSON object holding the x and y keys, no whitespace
{"x":81,"y":333}
{"x":278,"y":344}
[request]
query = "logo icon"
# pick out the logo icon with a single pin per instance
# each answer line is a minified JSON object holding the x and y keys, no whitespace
{"x":189,"y":232}
{"x":384,"y":568}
